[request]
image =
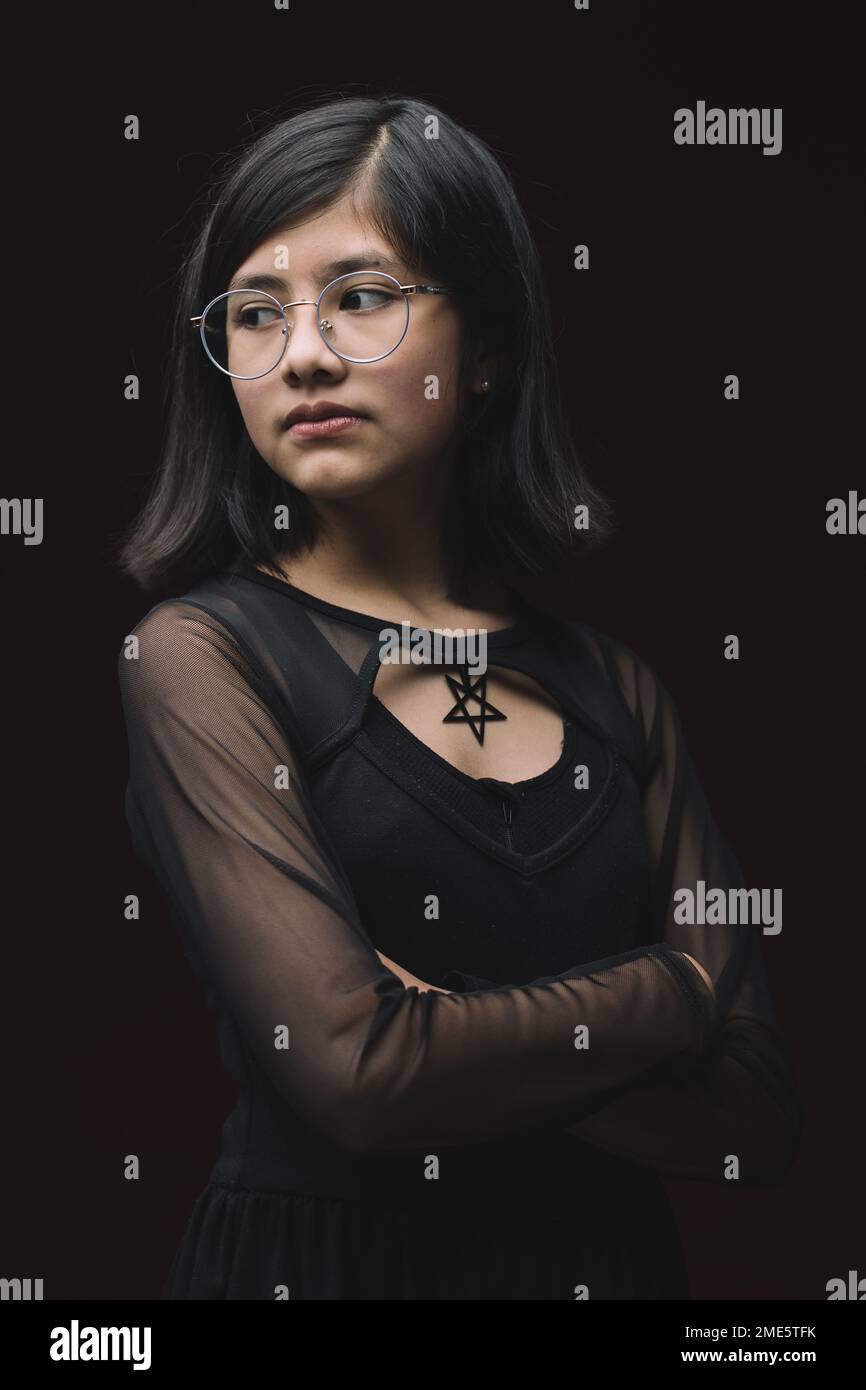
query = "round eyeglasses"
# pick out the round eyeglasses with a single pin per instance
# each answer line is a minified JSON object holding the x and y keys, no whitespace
{"x":362,"y":317}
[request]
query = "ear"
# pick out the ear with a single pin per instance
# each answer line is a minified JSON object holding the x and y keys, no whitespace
{"x":483,"y":370}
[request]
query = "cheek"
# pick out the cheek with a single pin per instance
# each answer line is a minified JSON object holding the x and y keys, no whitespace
{"x":420,"y":391}
{"x":257,"y":413}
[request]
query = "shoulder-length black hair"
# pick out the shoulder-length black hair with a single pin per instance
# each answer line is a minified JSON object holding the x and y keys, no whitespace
{"x":449,"y":207}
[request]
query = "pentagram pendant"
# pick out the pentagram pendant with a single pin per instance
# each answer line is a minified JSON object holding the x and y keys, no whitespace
{"x":471,"y":688}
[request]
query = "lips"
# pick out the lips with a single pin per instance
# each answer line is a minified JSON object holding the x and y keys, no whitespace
{"x":322,"y":410}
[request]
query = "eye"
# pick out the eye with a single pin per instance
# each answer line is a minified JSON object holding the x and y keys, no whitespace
{"x":351,"y":298}
{"x":257,"y":316}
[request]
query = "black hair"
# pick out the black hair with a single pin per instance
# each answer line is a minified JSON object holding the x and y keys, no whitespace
{"x":449,"y":207}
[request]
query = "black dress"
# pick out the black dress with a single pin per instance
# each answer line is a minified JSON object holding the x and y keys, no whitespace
{"x":508,"y":1140}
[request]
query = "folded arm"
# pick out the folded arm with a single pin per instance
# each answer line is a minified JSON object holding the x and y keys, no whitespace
{"x":735,"y":1110}
{"x":219,"y":807}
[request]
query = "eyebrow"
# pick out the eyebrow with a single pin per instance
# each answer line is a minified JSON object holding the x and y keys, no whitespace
{"x":323,"y":273}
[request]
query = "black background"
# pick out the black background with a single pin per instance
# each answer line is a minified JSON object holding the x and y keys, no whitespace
{"x":704,"y":261}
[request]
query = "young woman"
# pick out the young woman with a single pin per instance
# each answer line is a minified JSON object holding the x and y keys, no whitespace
{"x":431,"y":901}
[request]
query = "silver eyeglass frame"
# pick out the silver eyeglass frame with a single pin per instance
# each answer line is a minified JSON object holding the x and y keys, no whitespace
{"x":322,"y":324}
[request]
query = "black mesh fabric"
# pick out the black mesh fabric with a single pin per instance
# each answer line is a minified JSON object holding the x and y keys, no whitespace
{"x":265,"y":793}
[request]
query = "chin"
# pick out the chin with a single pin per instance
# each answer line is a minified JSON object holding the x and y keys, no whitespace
{"x":334,"y":476}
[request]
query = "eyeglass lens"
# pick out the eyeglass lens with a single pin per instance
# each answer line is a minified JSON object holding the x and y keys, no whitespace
{"x":362,"y":317}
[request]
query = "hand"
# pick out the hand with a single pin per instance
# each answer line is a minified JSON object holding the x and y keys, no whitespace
{"x":707,"y":980}
{"x":408,"y":978}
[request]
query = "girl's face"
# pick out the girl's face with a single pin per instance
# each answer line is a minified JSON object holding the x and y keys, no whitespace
{"x":411,"y":420}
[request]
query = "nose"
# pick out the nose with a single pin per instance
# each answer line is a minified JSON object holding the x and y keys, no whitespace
{"x":306,"y":350}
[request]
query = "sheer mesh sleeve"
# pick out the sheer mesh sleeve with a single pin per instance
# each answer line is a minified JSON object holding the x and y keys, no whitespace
{"x":219,"y":807}
{"x":687,"y":1115}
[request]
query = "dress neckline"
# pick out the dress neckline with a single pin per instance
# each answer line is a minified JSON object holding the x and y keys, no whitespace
{"x":494,"y":784}
{"x":497,"y":637}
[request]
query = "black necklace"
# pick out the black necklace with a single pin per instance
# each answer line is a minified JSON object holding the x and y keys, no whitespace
{"x":471,"y":688}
